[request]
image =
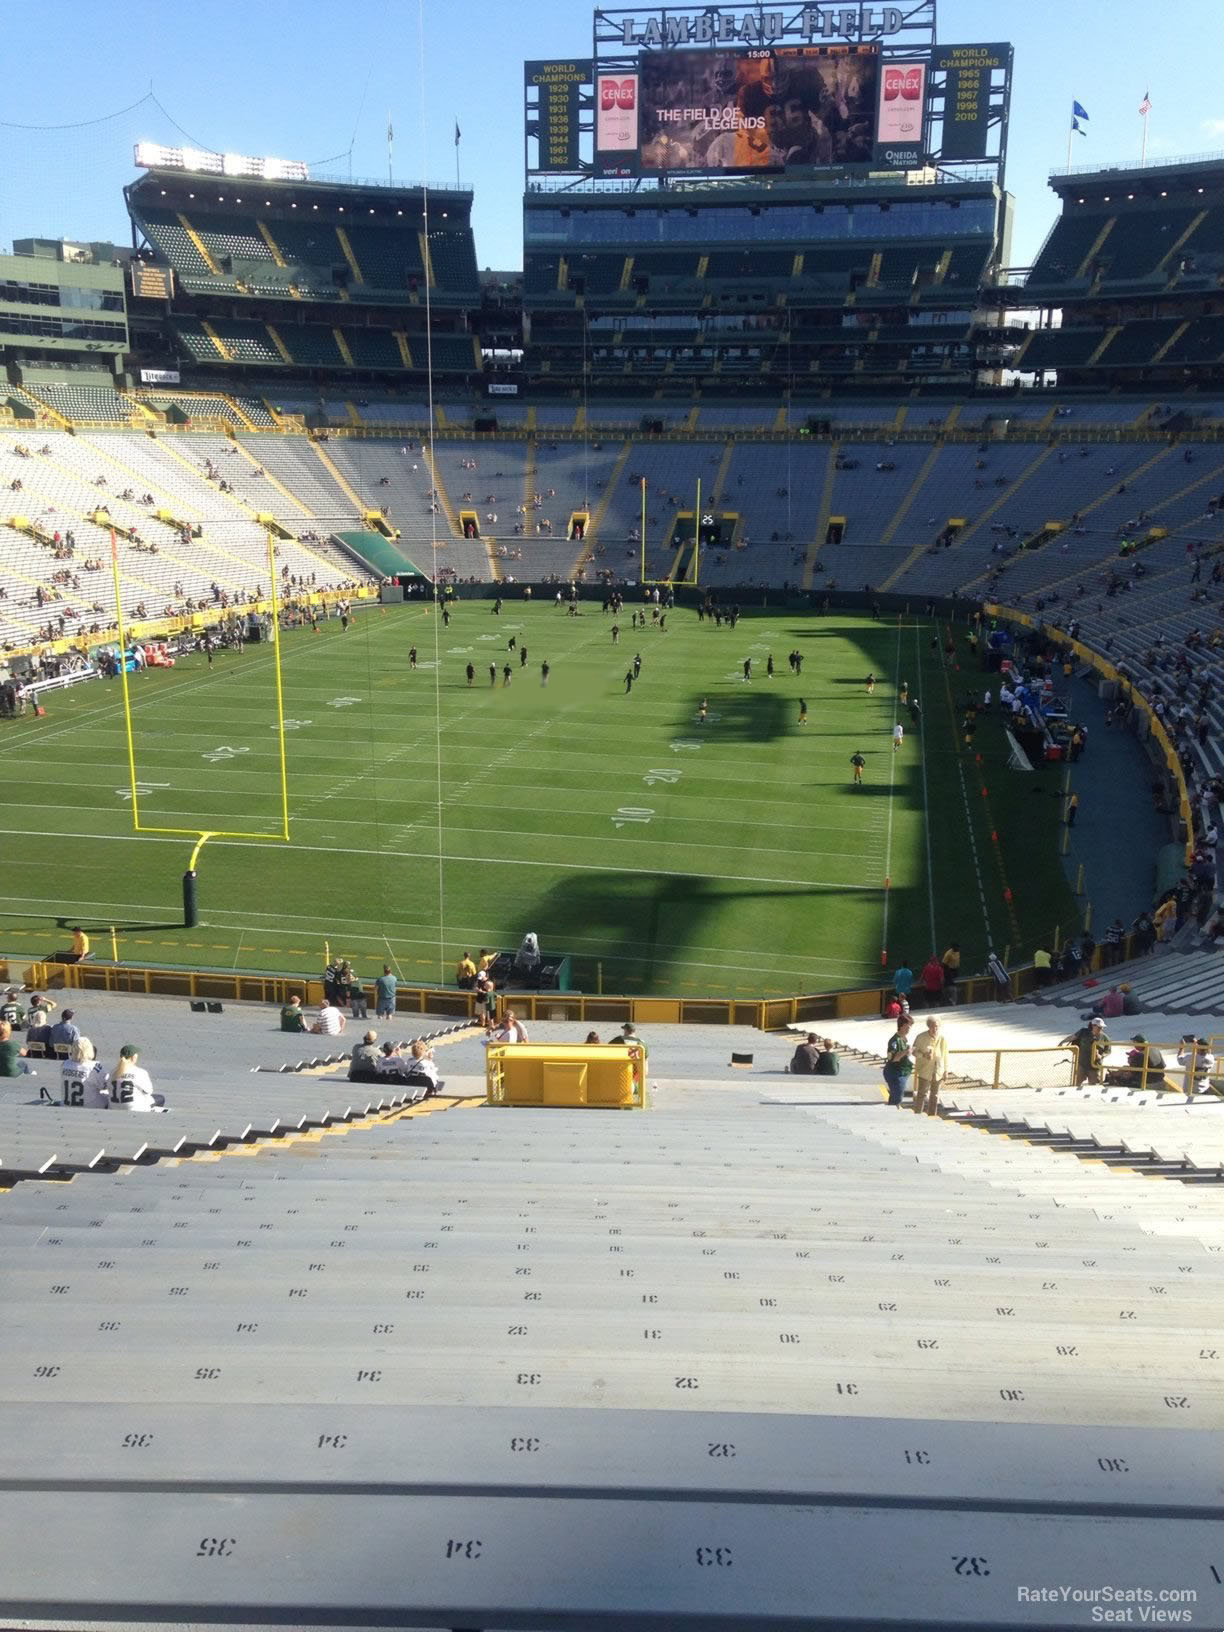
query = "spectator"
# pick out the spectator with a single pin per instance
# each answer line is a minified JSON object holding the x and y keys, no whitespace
{"x":1197,"y":1062}
{"x":997,"y":970}
{"x":358,"y":1006}
{"x":64,"y":1034}
{"x":79,"y":949}
{"x":390,"y":1062}
{"x":384,"y":993}
{"x":629,"y":1036}
{"x":12,"y":1055}
{"x":930,"y":1066}
{"x":465,"y":972}
{"x":1092,"y":1048}
{"x":1111,"y":942}
{"x":1043,"y":970}
{"x":1112,"y":1005}
{"x":420,"y":1064}
{"x":511,"y":1030}
{"x":292,"y":1017}
{"x":83,"y":1078}
{"x":330,"y":1022}
{"x":333,"y":982}
{"x":804,"y":1059}
{"x":129,"y":1084}
{"x":486,"y":995}
{"x":11,"y":1010}
{"x":1133,"y":1076}
{"x":365,"y":1057}
{"x":485,"y":959}
{"x":828,"y":1062}
{"x":898,"y":1061}
{"x":932,"y":979}
{"x":903,"y":979}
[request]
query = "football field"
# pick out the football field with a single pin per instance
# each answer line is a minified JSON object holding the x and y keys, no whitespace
{"x":662,"y":852}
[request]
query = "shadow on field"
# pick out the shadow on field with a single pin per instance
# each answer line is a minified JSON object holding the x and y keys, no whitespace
{"x":643,"y":923}
{"x":748,"y":715}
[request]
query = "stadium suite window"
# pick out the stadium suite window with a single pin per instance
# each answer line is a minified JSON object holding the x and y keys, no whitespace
{"x":791,"y":223}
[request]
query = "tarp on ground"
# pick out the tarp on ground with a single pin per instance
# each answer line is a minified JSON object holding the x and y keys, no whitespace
{"x":380,"y":554}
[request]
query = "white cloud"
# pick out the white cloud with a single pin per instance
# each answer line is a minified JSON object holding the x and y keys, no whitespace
{"x":1213,"y":127}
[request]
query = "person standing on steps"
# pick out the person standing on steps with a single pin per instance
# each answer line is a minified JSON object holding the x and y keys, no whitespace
{"x":898,"y":1061}
{"x":930,"y":1067}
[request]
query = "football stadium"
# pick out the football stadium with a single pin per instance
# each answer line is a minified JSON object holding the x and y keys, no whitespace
{"x":774,"y":629}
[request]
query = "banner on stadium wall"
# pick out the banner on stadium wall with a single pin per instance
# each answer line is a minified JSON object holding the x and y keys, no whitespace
{"x":497,"y":389}
{"x":160,"y":376}
{"x":898,"y":137}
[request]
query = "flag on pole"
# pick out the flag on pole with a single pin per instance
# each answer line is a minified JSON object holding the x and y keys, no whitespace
{"x":1078,"y":110}
{"x":458,"y":133}
{"x":1075,"y":125}
{"x":390,"y":131}
{"x":1145,"y":107}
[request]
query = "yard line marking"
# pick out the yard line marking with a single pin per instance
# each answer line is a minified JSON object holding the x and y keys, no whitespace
{"x":467,"y":859}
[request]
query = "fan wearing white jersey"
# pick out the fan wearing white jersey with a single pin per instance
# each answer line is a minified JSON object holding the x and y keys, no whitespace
{"x":83,"y":1078}
{"x":130,"y":1085}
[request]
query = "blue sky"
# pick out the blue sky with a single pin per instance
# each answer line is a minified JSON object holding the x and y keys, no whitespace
{"x":310,"y":80}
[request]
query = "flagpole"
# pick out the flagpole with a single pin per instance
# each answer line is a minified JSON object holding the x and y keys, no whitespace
{"x":458,"y":183}
{"x":1070,"y":133}
{"x":390,"y":142}
{"x":1143,"y":143}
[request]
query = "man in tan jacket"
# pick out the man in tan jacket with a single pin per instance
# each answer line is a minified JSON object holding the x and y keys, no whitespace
{"x":930,"y":1066}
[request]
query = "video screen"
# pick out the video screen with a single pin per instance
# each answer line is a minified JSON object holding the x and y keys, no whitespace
{"x":757,"y":110}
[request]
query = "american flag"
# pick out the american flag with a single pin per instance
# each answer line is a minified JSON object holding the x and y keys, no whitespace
{"x":1145,"y":107}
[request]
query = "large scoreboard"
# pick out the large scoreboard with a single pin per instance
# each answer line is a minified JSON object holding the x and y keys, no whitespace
{"x":741,"y":90}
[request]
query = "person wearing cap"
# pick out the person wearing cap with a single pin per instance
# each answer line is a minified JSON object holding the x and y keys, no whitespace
{"x":363,"y":1062}
{"x":64,"y":1034}
{"x":1134,"y":1075}
{"x":129,"y":1084}
{"x":1091,"y":1047}
{"x":629,"y":1036}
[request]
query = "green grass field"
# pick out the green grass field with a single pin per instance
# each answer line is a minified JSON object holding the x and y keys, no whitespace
{"x":664,"y":855}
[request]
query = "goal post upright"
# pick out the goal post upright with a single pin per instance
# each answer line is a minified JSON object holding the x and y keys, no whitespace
{"x":201,"y":834}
